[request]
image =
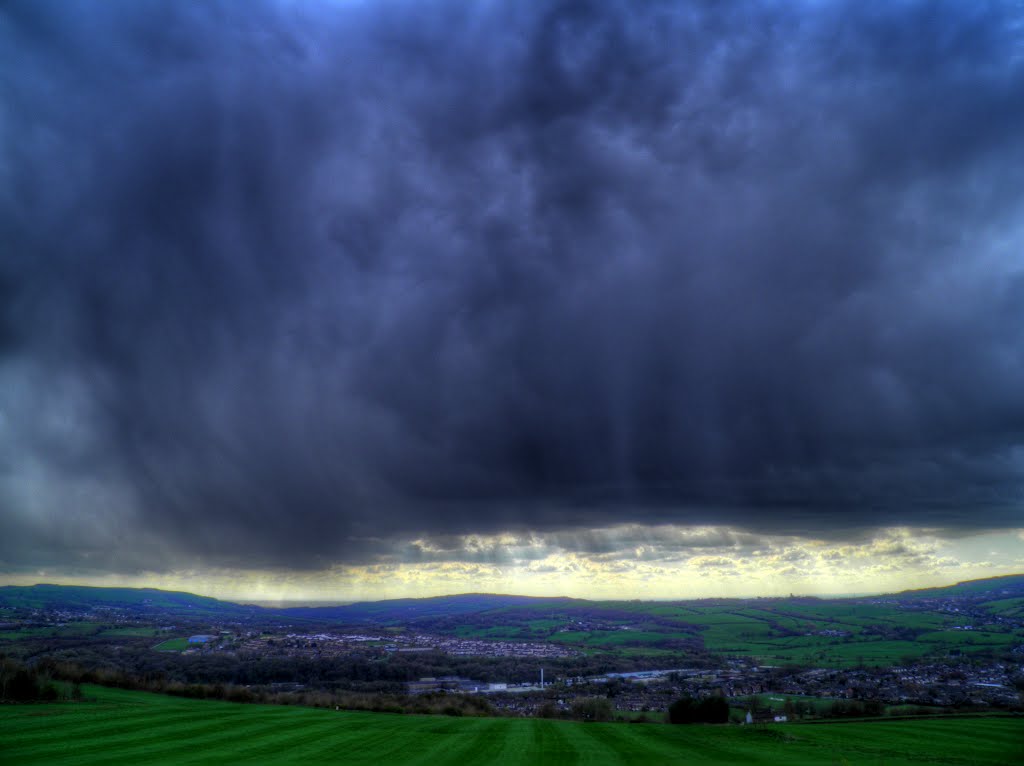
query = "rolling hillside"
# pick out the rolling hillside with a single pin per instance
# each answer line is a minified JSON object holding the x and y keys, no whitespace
{"x":74,"y":597}
{"x":880,"y":630}
{"x":987,"y":588}
{"x":402,"y":610}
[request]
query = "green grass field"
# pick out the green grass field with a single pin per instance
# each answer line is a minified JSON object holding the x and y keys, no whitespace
{"x":71,"y":630}
{"x":122,"y":727}
{"x":1010,"y":607}
{"x":172,"y":645}
{"x":77,"y":630}
{"x":130,"y":632}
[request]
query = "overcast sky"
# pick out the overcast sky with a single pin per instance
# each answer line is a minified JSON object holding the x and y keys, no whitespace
{"x":396,"y":298}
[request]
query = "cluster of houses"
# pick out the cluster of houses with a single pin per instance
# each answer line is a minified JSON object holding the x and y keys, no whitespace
{"x":653,"y":691}
{"x":330,"y":644}
{"x":477,"y":648}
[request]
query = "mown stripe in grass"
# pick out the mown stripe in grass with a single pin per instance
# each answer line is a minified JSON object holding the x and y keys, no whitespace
{"x":254,"y":743}
{"x":88,"y":725}
{"x":118,"y":743}
{"x":632,"y":745}
{"x":352,"y":743}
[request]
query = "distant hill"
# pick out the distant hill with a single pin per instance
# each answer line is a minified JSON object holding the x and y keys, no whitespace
{"x":402,"y":609}
{"x":79,"y":597}
{"x":75,"y":597}
{"x":1006,"y":586}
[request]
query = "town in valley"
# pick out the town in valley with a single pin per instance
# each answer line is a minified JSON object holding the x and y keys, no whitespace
{"x":915,"y":653}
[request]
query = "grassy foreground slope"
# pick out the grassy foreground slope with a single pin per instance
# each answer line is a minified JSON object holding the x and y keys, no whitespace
{"x":134,"y":727}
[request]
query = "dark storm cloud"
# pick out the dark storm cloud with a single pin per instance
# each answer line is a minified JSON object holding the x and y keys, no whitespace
{"x":283,"y":282}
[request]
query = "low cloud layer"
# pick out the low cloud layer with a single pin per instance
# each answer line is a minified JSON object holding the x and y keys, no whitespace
{"x":671,"y":563}
{"x":282,"y":285}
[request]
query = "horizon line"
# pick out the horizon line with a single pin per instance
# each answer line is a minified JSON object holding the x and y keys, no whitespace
{"x":298,"y":602}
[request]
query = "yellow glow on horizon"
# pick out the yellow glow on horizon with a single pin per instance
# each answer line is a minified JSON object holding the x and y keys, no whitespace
{"x":624,"y":562}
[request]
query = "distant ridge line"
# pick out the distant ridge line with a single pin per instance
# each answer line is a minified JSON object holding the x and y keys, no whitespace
{"x":482,"y":601}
